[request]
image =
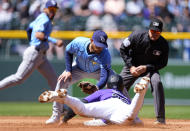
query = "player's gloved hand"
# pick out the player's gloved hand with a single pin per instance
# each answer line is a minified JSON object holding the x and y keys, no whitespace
{"x":87,"y":87}
{"x":59,"y":43}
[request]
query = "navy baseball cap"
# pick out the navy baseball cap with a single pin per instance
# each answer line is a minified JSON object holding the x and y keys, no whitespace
{"x":100,"y":38}
{"x":51,"y":3}
{"x":156,"y":25}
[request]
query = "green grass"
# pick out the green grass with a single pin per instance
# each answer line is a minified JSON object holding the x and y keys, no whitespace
{"x":172,"y":112}
{"x":25,"y":109}
{"x":38,"y":109}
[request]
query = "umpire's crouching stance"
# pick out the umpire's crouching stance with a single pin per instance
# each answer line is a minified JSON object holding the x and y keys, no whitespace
{"x":146,"y":52}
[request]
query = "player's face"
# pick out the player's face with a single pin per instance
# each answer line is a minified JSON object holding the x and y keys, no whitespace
{"x":154,"y":35}
{"x":95,"y":49}
{"x":51,"y":12}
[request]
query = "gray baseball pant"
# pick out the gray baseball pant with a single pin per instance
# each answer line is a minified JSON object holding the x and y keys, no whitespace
{"x":32,"y":59}
{"x":157,"y":90}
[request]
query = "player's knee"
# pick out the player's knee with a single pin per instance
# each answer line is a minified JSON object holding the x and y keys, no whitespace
{"x":19,"y":79}
{"x":118,"y":119}
{"x":131,"y":115}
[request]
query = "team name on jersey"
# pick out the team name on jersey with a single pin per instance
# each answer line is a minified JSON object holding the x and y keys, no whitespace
{"x":118,"y":95}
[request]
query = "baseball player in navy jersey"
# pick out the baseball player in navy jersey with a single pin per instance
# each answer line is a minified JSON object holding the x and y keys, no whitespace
{"x":93,"y":60}
{"x":35,"y":55}
{"x":101,"y":104}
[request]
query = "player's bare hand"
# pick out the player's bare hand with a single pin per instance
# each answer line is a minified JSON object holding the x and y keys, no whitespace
{"x":65,"y":76}
{"x":134,"y":72}
{"x":59,"y":43}
{"x":141,"y":69}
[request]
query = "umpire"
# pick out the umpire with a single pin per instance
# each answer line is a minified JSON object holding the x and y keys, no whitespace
{"x":146,"y":52}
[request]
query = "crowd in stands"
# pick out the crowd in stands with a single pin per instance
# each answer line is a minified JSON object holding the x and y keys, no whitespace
{"x":119,"y":15}
{"x":109,"y":15}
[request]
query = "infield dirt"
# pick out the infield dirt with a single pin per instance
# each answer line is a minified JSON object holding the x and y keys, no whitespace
{"x":15,"y":123}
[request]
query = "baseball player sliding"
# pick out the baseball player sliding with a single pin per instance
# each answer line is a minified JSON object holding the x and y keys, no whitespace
{"x":35,"y":55}
{"x":93,"y":60}
{"x":102,"y":101}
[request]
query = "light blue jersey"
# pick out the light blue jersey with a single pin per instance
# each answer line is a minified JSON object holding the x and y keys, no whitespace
{"x":88,"y":62}
{"x":41,"y":24}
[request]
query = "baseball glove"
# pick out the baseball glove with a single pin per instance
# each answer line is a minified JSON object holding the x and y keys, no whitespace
{"x":87,"y":87}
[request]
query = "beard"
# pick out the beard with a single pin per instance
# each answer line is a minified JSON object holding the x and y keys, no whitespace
{"x":51,"y":16}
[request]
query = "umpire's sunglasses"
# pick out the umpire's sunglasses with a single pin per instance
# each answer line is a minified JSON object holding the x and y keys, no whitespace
{"x":155,"y":32}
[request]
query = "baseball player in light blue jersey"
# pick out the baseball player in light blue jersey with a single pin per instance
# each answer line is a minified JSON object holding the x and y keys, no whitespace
{"x":101,"y":104}
{"x":93,"y":60}
{"x":34,"y":56}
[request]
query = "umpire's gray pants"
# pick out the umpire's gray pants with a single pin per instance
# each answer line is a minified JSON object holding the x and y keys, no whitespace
{"x":77,"y":74}
{"x":32,"y":59}
{"x":156,"y":89}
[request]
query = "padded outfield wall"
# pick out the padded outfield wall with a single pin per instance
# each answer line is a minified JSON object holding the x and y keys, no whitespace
{"x":175,"y":77}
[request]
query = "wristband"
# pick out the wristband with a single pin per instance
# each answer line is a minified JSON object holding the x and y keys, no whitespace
{"x":53,"y":40}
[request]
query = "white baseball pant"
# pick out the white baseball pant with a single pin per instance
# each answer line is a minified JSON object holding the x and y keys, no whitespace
{"x":113,"y":109}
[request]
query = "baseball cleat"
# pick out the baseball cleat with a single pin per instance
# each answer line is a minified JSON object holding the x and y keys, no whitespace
{"x":50,"y":96}
{"x":159,"y":122}
{"x":145,"y":81}
{"x":53,"y":119}
{"x":139,"y":87}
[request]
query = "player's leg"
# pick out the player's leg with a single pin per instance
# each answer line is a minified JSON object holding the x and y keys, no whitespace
{"x":77,"y":75}
{"x":94,"y":75}
{"x":137,"y":101}
{"x":159,"y":98}
{"x":102,"y":109}
{"x":70,"y":113}
{"x":49,"y":73}
{"x":29,"y":63}
{"x":131,"y":111}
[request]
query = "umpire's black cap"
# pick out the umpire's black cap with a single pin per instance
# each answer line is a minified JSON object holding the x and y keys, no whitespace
{"x":156,"y":24}
{"x":51,"y":3}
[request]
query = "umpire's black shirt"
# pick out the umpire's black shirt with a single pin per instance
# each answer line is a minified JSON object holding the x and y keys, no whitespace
{"x":139,"y":49}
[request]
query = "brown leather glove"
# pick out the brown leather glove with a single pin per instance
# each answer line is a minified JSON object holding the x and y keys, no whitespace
{"x":87,"y":87}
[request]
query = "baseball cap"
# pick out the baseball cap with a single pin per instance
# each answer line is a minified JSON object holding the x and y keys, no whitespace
{"x":156,"y":25}
{"x":100,"y":38}
{"x":51,"y":3}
